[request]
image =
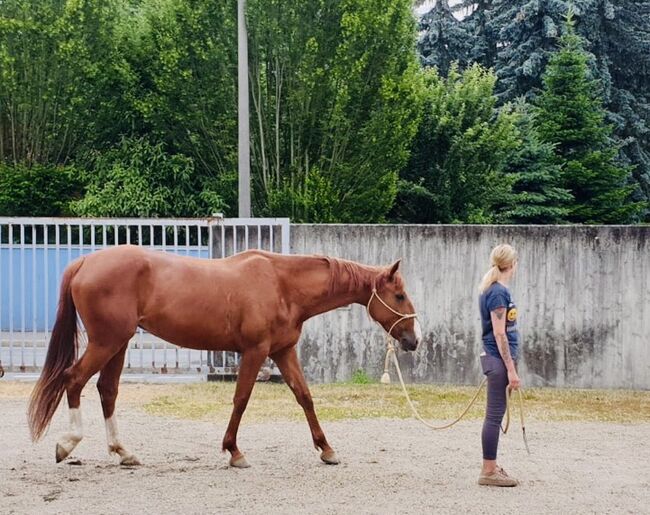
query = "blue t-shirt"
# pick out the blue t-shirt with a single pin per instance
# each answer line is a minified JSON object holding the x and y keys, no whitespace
{"x":498,"y":296}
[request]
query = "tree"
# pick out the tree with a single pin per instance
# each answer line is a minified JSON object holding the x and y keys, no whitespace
{"x":444,"y":39}
{"x":456,"y":169}
{"x":59,"y":77}
{"x":139,"y":179}
{"x":538,"y":197}
{"x":619,"y":37}
{"x":478,"y":25}
{"x":527,"y":34}
{"x":517,"y":37}
{"x":570,"y":115}
{"x":183,"y":92}
{"x":335,"y":101}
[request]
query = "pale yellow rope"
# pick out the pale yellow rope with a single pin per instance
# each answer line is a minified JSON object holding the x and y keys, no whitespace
{"x":416,"y":414}
{"x":403,"y":316}
{"x":391,"y":350}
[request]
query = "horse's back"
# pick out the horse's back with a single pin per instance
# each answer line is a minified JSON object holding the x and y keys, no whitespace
{"x":123,"y":263}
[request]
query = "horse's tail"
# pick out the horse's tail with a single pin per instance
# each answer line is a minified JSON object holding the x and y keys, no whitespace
{"x":61,"y":354}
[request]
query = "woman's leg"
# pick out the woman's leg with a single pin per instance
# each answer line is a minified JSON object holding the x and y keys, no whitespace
{"x":497,"y":381}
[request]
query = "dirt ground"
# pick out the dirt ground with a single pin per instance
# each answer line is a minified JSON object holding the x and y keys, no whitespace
{"x":388,"y":466}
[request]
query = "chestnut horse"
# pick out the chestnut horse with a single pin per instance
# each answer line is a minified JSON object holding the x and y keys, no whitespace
{"x":253,"y":303}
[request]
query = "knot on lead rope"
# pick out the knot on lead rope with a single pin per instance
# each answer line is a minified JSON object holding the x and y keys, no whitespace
{"x":385,"y":377}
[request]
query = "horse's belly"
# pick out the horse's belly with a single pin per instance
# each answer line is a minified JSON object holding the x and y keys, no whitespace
{"x":194,"y":338}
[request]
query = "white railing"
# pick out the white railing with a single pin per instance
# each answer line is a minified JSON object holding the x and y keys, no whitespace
{"x":35,"y":251}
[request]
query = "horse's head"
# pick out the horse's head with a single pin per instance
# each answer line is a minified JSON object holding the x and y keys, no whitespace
{"x":391,"y":308}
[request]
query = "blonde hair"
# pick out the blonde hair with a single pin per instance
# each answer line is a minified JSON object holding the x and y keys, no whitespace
{"x":502,"y":258}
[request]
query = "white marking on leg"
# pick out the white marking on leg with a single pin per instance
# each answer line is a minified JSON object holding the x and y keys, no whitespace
{"x":111,"y":433}
{"x":70,"y":440}
{"x":418,"y":332}
{"x":114,"y":445}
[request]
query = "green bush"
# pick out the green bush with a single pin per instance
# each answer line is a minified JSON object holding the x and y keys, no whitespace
{"x":139,"y":179}
{"x":37,"y":190}
{"x":455,"y":173}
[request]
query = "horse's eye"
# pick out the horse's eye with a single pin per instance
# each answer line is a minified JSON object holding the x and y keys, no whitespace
{"x":399,"y":297}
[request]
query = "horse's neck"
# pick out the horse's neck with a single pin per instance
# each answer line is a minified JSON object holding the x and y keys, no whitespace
{"x":329,"y":283}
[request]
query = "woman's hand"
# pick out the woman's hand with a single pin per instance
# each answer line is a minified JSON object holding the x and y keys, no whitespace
{"x":513,"y":380}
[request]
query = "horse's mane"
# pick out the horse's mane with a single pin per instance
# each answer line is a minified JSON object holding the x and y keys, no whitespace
{"x":351,"y":274}
{"x":342,"y":271}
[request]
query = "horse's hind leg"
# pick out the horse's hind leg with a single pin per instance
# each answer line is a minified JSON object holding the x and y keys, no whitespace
{"x":108,"y":385}
{"x":76,"y":377}
{"x":289,"y":364}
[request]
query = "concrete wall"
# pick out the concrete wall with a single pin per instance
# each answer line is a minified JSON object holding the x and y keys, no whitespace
{"x":583,"y":297}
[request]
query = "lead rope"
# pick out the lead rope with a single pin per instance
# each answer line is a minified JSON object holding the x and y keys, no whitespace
{"x":416,"y":414}
{"x":391,"y":352}
{"x":386,"y":378}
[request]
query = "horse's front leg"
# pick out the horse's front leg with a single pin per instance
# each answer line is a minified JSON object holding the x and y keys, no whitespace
{"x":289,"y":365}
{"x":249,"y":366}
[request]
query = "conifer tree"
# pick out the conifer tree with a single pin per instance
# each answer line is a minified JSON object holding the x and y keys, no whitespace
{"x":516,"y":37}
{"x":477,"y":20}
{"x":444,"y":39}
{"x":538,"y":197}
{"x":619,"y":37}
{"x":527,"y":34}
{"x":570,"y":115}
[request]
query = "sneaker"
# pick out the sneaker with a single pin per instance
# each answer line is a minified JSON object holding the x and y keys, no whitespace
{"x":497,"y":478}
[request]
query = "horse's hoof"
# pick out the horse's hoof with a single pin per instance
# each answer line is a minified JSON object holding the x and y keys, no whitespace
{"x":239,"y":462}
{"x":130,"y":461}
{"x":61,"y":453}
{"x":330,"y":457}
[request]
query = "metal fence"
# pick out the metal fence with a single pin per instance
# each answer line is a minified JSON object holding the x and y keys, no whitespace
{"x":35,"y":251}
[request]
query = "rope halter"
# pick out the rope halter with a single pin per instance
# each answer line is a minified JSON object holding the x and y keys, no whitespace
{"x":402,"y":316}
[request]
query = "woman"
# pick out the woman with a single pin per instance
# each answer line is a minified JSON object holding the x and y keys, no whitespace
{"x":499,"y":357}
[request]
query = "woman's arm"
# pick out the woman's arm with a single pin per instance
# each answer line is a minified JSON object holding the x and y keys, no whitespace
{"x":498,"y":317}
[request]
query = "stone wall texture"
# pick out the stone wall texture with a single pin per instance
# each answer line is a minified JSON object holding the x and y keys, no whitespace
{"x":583,"y":298}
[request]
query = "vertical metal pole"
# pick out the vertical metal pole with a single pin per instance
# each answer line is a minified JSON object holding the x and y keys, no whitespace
{"x":153,"y":341}
{"x":244,"y":132}
{"x":223,"y":241}
{"x":1,"y":294}
{"x":23,"y":304}
{"x":57,"y":260}
{"x":271,"y":244}
{"x":176,"y":252}
{"x":34,"y":277}
{"x":46,"y":281}
{"x":10,"y":229}
{"x":286,"y":237}
{"x":188,"y":253}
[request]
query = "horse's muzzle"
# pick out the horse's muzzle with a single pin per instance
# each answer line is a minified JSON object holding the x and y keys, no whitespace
{"x":408,"y":343}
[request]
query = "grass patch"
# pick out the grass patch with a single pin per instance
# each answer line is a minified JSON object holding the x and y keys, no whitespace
{"x":361,"y":377}
{"x":213,"y":401}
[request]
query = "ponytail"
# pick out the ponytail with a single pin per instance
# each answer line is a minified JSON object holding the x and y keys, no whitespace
{"x":491,"y":276}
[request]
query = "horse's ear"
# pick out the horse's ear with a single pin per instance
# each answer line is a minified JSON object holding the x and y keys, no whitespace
{"x":393,"y":269}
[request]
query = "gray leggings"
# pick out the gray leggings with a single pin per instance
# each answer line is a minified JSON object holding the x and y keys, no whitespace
{"x":497,"y":380}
